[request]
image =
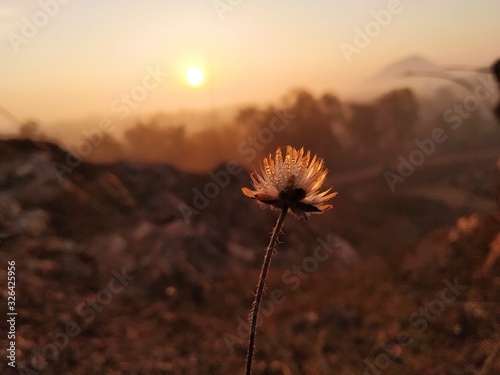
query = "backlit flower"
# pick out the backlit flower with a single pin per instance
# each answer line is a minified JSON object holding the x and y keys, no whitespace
{"x":293,"y":182}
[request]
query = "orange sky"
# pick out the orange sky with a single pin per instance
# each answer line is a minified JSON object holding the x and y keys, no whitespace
{"x":64,"y":60}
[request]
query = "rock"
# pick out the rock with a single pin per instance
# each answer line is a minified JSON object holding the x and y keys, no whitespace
{"x":10,"y":210}
{"x":344,"y":251}
{"x":476,"y":321}
{"x":464,"y":227}
{"x":34,"y":179}
{"x":431,"y":254}
{"x":33,"y":222}
{"x":162,"y":208}
{"x":240,"y":252}
{"x":491,"y":258}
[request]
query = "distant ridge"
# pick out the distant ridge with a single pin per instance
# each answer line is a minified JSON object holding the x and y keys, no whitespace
{"x":400,"y":68}
{"x":397,"y":76}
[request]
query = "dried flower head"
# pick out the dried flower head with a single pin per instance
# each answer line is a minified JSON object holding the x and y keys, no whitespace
{"x":293,"y":182}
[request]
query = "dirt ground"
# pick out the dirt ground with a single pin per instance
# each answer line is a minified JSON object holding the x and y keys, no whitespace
{"x":112,"y":279}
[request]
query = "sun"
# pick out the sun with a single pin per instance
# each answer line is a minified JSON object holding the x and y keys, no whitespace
{"x":194,"y":75}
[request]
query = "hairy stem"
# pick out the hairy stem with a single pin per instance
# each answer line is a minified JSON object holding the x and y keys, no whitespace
{"x":260,"y":287}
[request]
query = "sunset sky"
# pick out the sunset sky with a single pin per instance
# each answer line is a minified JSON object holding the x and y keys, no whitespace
{"x":79,"y":58}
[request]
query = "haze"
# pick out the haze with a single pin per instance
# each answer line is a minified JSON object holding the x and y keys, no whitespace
{"x":87,"y":54}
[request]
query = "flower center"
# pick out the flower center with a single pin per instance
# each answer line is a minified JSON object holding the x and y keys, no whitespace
{"x":291,"y":195}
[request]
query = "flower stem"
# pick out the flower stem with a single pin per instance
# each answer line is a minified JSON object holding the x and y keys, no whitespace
{"x":260,"y":287}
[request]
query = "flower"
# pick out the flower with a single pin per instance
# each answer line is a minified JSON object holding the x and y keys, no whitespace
{"x":292,"y":182}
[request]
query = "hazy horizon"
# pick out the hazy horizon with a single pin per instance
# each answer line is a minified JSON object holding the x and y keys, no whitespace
{"x":66,"y":62}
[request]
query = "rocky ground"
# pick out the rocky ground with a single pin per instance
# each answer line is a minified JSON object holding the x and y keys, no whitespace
{"x":131,"y":268}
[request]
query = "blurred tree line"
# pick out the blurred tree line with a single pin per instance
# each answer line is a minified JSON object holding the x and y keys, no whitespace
{"x":346,"y":134}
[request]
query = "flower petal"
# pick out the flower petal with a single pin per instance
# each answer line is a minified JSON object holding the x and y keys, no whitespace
{"x":282,"y":176}
{"x":249,"y":193}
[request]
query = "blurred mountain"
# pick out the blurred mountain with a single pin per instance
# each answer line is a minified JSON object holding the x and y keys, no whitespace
{"x":437,"y":90}
{"x":397,"y":76}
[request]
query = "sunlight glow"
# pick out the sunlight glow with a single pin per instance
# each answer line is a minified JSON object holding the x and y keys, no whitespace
{"x":194,"y":75}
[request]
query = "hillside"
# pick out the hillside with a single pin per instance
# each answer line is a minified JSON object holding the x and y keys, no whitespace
{"x":130,"y":268}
